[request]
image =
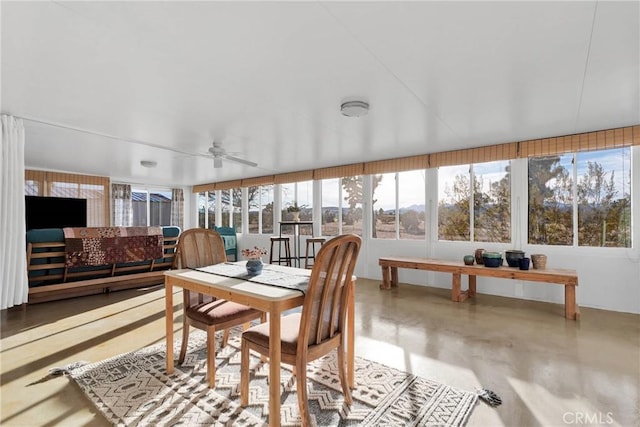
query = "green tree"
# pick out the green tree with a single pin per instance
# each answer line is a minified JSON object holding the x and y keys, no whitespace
{"x":550,"y":201}
{"x":454,"y":220}
{"x":353,"y":187}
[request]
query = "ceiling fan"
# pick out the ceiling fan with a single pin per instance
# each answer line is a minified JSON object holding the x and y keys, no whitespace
{"x":219,"y":154}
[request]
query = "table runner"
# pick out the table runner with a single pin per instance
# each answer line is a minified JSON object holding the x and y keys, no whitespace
{"x":270,"y":275}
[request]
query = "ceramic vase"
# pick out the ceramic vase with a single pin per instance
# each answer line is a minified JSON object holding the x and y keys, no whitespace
{"x":254,"y":266}
{"x":478,"y":255}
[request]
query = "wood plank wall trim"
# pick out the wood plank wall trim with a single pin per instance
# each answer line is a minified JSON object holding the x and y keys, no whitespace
{"x":354,"y":169}
{"x":260,"y":180}
{"x":299,"y":176}
{"x":397,"y":165}
{"x":227,"y":185}
{"x":589,"y":141}
{"x":98,"y":208}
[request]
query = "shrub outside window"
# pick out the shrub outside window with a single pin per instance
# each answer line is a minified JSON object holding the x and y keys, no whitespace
{"x":260,"y":209}
{"x":383,"y":202}
{"x":490,"y":219}
{"x":581,"y":199}
{"x":352,"y":197}
{"x":331,"y":207}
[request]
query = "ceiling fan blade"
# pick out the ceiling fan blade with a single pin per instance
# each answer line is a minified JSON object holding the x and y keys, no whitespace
{"x":238,"y":160}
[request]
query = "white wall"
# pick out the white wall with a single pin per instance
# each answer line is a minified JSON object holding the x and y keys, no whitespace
{"x":609,"y":278}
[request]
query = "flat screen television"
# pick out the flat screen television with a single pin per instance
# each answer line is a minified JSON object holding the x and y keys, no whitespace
{"x":55,"y":212}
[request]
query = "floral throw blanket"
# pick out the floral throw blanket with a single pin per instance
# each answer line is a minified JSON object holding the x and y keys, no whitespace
{"x":90,"y":246}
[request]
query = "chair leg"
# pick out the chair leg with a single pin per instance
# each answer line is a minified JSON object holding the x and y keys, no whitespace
{"x":342,"y":373}
{"x":244,"y":374}
{"x":185,"y":341}
{"x":211,"y":356}
{"x":225,"y":337}
{"x":301,"y":391}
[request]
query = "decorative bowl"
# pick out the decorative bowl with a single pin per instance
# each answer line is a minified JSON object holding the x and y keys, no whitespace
{"x":492,"y":259}
{"x":468,"y":259}
{"x":513,"y":257}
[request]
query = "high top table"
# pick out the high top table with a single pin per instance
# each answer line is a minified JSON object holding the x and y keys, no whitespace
{"x":271,"y":299}
{"x":295,"y":225}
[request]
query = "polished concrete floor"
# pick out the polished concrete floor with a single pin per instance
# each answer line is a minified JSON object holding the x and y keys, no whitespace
{"x":549,"y":371}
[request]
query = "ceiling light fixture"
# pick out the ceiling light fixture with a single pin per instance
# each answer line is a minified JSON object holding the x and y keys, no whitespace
{"x":354,"y":108}
{"x":148,"y":163}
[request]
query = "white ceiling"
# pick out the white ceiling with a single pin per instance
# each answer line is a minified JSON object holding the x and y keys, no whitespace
{"x":108,"y":84}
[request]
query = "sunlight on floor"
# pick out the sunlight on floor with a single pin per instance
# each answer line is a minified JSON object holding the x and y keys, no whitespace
{"x":550,"y":409}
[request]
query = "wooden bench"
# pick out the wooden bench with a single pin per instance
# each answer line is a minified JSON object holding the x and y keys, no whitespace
{"x":60,"y":282}
{"x":568,"y":278}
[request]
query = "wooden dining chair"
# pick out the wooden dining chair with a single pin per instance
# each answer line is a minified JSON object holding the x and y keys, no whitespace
{"x":199,"y":247}
{"x":319,"y":328}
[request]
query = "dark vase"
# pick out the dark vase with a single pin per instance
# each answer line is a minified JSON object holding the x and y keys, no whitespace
{"x":254,"y":266}
{"x":478,"y":254}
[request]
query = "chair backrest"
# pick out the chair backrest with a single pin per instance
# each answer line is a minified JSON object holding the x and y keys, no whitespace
{"x":199,"y":247}
{"x":325,"y":304}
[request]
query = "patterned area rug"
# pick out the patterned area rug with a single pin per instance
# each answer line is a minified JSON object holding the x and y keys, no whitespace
{"x":133,"y":390}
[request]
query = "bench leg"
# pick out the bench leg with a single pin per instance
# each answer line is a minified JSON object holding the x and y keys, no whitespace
{"x":472,"y":286}
{"x":394,"y":277}
{"x":385,"y":277}
{"x":455,"y":287}
{"x":570,"y":306}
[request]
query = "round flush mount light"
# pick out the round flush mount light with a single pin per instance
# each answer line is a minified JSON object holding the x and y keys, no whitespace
{"x":148,"y":163}
{"x":354,"y":108}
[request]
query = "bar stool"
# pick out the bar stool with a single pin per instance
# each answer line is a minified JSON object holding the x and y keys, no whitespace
{"x":283,"y":243}
{"x":311,"y":244}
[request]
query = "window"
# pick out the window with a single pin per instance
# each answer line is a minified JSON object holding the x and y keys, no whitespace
{"x":151,"y":208}
{"x":383,"y":203}
{"x":398,"y":205}
{"x":454,"y":193}
{"x":551,"y":200}
{"x":202,"y":209}
{"x":211,"y":210}
{"x":342,"y":206}
{"x":352,"y":197}
{"x":581,"y":199}
{"x":490,"y":219}
{"x":604,"y":198}
{"x":236,"y":201}
{"x":226,"y":200}
{"x":492,"y":202}
{"x":261,"y":209}
{"x":300,"y":193}
{"x":411,"y":204}
{"x":331,"y":207}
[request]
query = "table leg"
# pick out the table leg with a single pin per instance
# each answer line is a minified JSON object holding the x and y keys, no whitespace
{"x":351,"y":334}
{"x":274,"y":368}
{"x":455,"y":287}
{"x":168,"y":296}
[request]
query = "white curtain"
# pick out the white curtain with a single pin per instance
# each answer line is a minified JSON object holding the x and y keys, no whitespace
{"x":177,"y":207}
{"x":122,"y":205}
{"x":14,"y":285}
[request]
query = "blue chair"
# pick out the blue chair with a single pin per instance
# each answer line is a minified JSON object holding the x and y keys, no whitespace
{"x":230,"y":239}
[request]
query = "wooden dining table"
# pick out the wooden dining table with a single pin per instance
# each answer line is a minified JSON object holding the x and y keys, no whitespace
{"x":271,"y":299}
